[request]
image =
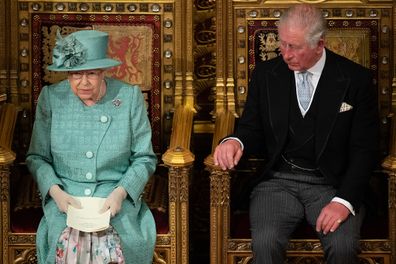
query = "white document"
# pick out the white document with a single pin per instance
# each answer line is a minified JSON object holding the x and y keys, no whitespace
{"x":88,"y":219}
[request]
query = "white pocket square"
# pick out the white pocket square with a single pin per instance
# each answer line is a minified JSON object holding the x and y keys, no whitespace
{"x":345,"y":107}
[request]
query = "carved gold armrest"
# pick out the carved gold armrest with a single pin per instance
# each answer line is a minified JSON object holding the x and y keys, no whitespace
{"x":178,"y":153}
{"x":6,"y":156}
{"x":8,"y":115}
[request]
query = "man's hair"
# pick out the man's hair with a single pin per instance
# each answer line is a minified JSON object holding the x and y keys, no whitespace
{"x":307,"y":17}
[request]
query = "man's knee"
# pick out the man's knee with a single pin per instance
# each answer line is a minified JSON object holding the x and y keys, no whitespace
{"x":341,"y":249}
{"x":269,"y":240}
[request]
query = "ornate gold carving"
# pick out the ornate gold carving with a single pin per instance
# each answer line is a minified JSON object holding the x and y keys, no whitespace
{"x":205,"y":32}
{"x":392,"y":190}
{"x":4,"y":181}
{"x":309,"y":245}
{"x":182,"y":129}
{"x":374,"y":259}
{"x":305,"y":259}
{"x":375,"y":246}
{"x":351,"y":43}
{"x":205,"y":4}
{"x":178,"y":184}
{"x":4,"y":196}
{"x":178,"y":156}
{"x":178,"y":212}
{"x":394,"y":85}
{"x":308,"y":252}
{"x":308,"y":1}
{"x":242,"y":259}
{"x":219,"y":188}
{"x":26,"y":239}
{"x":6,"y":156}
{"x":25,"y":255}
{"x":205,"y":67}
{"x":161,"y":256}
{"x":163,"y":240}
{"x":204,"y":57}
{"x":239,"y":245}
{"x":319,"y":259}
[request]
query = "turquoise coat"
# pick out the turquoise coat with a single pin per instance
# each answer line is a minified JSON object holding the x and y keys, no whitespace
{"x":89,"y":151}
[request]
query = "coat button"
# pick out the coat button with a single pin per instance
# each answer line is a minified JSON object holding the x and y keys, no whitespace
{"x":87,"y":192}
{"x":103,"y":119}
{"x":89,"y":154}
{"x":88,"y":175}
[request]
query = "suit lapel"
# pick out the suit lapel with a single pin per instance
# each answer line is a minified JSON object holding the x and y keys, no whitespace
{"x":330,"y":94}
{"x":280,"y":82}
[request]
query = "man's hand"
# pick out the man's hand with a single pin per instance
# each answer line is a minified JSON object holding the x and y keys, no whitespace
{"x":331,"y":217}
{"x":63,"y":199}
{"x":227,"y":154}
{"x":114,"y":201}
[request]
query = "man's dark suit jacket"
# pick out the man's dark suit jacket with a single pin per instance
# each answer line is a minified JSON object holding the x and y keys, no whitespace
{"x":346,"y":142}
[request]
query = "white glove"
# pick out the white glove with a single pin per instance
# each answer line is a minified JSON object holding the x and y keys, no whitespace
{"x":63,"y":199}
{"x":114,"y":201}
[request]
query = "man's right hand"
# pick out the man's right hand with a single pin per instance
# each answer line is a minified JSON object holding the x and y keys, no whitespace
{"x":63,"y":199}
{"x":228,"y":154}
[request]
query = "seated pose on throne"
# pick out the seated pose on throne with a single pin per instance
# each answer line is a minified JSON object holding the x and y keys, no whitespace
{"x":92,"y":138}
{"x":313,"y":115}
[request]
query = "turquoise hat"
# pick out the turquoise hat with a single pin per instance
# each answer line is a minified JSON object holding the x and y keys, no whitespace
{"x":81,"y":50}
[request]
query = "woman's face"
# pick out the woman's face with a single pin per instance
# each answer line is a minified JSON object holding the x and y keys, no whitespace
{"x":87,"y":85}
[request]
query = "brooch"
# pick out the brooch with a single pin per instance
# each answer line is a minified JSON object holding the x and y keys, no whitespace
{"x":116,"y":102}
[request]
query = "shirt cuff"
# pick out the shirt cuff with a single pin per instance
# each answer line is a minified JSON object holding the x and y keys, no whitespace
{"x":345,"y":203}
{"x":234,"y":138}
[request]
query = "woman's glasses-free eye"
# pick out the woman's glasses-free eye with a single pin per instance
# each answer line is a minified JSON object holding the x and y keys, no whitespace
{"x":91,"y":75}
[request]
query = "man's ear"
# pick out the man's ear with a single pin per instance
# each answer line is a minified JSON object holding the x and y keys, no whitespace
{"x":320,"y":46}
{"x":321,"y":43}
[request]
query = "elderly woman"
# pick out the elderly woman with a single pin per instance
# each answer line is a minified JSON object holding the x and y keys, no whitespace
{"x":92,"y":138}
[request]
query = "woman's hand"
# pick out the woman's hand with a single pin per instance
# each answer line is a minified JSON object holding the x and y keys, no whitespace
{"x":114,"y":201}
{"x":63,"y":199}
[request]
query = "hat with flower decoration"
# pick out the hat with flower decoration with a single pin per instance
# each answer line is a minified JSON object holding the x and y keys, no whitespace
{"x":81,"y":50}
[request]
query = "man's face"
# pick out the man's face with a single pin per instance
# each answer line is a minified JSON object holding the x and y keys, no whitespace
{"x":295,"y":50}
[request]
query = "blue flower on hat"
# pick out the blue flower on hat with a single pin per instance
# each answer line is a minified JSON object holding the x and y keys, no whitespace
{"x":68,"y":52}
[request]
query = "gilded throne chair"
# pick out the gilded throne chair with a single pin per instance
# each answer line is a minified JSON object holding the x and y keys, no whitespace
{"x":142,"y":36}
{"x":361,"y":33}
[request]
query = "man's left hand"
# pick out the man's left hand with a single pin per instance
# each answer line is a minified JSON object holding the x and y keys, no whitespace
{"x":331,"y":217}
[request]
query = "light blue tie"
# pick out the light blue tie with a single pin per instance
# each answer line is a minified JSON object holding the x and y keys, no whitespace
{"x":304,"y":89}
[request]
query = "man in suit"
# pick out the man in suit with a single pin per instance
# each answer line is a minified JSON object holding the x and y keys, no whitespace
{"x":313,"y":115}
